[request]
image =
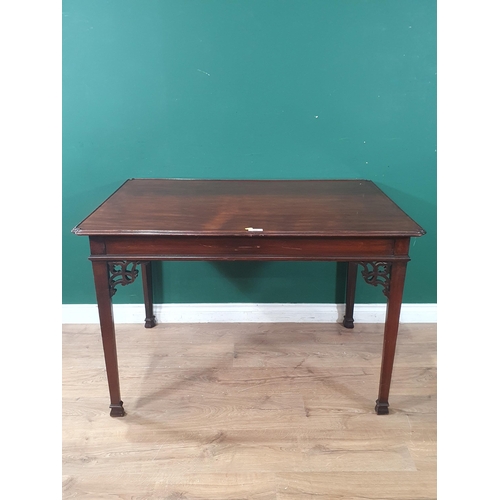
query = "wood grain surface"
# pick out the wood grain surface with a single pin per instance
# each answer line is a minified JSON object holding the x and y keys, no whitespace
{"x":249,"y":411}
{"x":236,"y":207}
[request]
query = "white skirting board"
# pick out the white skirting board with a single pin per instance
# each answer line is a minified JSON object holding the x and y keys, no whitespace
{"x":248,"y":313}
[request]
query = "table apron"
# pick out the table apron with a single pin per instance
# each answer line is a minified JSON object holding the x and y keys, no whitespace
{"x":247,"y":248}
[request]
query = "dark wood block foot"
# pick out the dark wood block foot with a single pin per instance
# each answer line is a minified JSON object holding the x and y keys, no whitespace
{"x":381,"y":408}
{"x":150,"y":322}
{"x":117,"y":410}
{"x":348,"y":322}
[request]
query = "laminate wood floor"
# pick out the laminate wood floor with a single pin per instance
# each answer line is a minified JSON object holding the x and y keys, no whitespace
{"x":249,"y":411}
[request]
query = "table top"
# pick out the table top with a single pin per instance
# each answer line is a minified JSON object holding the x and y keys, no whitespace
{"x":249,"y":208}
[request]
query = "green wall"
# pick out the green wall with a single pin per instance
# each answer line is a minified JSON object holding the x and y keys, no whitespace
{"x":249,"y":89}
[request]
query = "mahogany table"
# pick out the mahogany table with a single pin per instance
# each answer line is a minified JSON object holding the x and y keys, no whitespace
{"x":273,"y":220}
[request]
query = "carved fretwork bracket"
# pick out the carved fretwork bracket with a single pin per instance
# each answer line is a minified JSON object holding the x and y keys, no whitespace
{"x":121,"y":272}
{"x":377,"y":273}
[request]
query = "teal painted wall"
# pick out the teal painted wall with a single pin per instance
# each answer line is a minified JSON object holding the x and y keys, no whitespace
{"x":249,"y":89}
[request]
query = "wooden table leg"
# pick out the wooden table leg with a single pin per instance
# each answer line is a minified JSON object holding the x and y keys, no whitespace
{"x":147,"y":285}
{"x":352,"y":270}
{"x":395,"y":297}
{"x":104,"y":304}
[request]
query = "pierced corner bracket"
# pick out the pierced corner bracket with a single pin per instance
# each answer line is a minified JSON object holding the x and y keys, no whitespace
{"x":121,"y":272}
{"x":377,"y":273}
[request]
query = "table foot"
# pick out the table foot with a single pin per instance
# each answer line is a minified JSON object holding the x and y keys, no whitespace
{"x":117,"y":410}
{"x":382,"y":408}
{"x":348,"y":322}
{"x":150,"y":322}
